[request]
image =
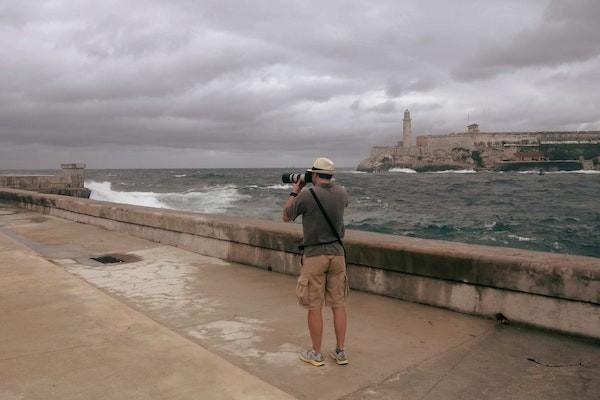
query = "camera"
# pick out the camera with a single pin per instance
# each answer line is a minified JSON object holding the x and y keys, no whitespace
{"x":295,"y":178}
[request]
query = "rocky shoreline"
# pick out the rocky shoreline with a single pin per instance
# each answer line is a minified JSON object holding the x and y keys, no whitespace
{"x":546,"y":151}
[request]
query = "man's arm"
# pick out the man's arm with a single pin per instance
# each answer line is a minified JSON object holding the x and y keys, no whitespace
{"x":296,"y":188}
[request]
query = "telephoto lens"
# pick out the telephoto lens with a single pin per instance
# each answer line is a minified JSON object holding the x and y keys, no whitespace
{"x":294,"y":178}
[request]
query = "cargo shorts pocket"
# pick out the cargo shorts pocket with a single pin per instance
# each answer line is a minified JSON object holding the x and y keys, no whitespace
{"x":346,"y":286}
{"x":303,"y":292}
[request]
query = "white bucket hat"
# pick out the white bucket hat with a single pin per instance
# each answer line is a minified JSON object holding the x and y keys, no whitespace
{"x":322,"y":165}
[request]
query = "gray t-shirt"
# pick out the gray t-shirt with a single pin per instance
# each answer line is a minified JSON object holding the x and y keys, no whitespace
{"x":318,"y":237}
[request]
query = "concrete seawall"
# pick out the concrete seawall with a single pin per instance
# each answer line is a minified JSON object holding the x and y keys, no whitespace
{"x":551,"y":291}
{"x":69,"y":182}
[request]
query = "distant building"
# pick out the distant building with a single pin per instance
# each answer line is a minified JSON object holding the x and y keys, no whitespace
{"x":407,"y":130}
{"x":473,"y":128}
{"x":487,"y":150}
{"x":529,"y":156}
{"x":475,"y":139}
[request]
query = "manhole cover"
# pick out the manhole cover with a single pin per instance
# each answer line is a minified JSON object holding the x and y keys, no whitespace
{"x":108,"y":259}
{"x":115,"y":258}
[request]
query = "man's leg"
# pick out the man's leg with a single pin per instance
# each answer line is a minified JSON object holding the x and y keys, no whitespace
{"x":315,"y":327}
{"x":311,"y":286}
{"x":335,"y":297}
{"x":340,"y":321}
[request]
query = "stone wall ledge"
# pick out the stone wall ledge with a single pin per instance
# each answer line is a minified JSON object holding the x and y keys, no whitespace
{"x":70,"y":182}
{"x":568,"y":277}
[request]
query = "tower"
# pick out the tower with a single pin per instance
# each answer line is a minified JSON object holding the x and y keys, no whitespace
{"x":406,"y":130}
{"x":473,"y":128}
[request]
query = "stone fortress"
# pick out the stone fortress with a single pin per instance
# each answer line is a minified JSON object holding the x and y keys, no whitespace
{"x":474,"y":149}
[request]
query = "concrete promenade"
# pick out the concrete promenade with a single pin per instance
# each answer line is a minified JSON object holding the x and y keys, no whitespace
{"x":172,"y":324}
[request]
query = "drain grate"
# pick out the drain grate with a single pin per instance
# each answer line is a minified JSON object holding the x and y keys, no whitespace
{"x":108,"y":259}
{"x":116,"y":258}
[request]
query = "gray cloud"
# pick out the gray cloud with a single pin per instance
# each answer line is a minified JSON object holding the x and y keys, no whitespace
{"x":568,"y":32}
{"x":213,"y":83}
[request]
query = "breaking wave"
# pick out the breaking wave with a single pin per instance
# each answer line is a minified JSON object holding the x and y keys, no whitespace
{"x":455,"y":171}
{"x":555,"y":214}
{"x":578,"y":171}
{"x":521,"y":238}
{"x":403,"y":170}
{"x":281,"y":186}
{"x":216,"y":199}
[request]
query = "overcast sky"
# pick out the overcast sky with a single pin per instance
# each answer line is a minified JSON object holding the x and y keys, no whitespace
{"x":197,"y":83}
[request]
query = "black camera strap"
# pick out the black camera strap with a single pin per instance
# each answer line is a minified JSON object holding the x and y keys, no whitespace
{"x":333,"y":230}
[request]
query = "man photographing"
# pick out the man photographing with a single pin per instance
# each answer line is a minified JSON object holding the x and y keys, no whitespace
{"x":323,"y":276}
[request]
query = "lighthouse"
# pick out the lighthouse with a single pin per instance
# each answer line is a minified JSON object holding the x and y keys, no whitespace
{"x":406,"y":130}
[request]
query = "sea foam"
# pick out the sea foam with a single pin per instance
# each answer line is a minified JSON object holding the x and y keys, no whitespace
{"x":403,"y":170}
{"x":281,"y":186}
{"x":578,"y":171}
{"x":215,"y":199}
{"x":455,"y":171}
{"x":521,"y":238}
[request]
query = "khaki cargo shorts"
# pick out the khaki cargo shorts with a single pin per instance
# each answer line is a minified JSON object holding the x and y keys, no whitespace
{"x":322,"y":278}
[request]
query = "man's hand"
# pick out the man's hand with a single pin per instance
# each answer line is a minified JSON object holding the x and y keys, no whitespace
{"x":297,"y":187}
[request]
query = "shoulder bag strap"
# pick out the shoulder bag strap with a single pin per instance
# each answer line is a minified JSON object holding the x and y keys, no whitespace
{"x":333,"y":230}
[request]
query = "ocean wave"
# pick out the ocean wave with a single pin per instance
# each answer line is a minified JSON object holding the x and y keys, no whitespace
{"x":280,"y":186}
{"x":578,"y":171}
{"x":529,"y":172}
{"x":217,"y":199}
{"x":455,"y":171}
{"x":500,"y":226}
{"x":521,"y":238}
{"x":180,"y":176}
{"x":441,"y":228}
{"x":403,"y":170}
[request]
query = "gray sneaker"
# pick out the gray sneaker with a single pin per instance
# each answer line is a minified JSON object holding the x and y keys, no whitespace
{"x":340,"y":357}
{"x":309,"y":356}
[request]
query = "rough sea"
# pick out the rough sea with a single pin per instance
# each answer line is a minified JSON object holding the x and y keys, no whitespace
{"x":555,"y":212}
